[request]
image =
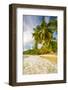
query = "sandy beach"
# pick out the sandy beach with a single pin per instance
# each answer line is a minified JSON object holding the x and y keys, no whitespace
{"x":40,"y":64}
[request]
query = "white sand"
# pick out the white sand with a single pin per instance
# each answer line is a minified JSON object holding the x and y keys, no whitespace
{"x":38,"y":65}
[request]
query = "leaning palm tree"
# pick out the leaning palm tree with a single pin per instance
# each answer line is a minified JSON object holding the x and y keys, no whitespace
{"x":36,"y":37}
{"x":41,"y":34}
{"x":45,"y":34}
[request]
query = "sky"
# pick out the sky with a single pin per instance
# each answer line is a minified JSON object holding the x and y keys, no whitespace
{"x":30,"y":22}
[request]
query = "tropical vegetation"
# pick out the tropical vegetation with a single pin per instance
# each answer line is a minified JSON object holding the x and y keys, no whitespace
{"x":45,"y":35}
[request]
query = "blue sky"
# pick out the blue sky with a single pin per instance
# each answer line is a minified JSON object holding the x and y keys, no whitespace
{"x":30,"y":22}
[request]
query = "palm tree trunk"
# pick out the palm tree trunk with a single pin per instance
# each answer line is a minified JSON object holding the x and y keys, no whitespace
{"x":35,"y":45}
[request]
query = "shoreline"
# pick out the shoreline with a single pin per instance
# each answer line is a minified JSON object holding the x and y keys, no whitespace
{"x":50,"y":57}
{"x":42,"y":55}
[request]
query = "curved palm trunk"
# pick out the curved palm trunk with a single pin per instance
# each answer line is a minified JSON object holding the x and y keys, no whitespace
{"x":35,"y":44}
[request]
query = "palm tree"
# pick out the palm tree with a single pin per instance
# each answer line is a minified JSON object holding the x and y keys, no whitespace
{"x":36,"y":37}
{"x":43,"y":33}
{"x":52,"y":26}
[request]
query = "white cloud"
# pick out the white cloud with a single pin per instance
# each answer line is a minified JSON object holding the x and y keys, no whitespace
{"x":28,"y":37}
{"x":27,"y":27}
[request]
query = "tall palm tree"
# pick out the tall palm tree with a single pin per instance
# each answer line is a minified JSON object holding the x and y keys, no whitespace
{"x":36,"y":36}
{"x":43,"y":33}
{"x":52,"y":26}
